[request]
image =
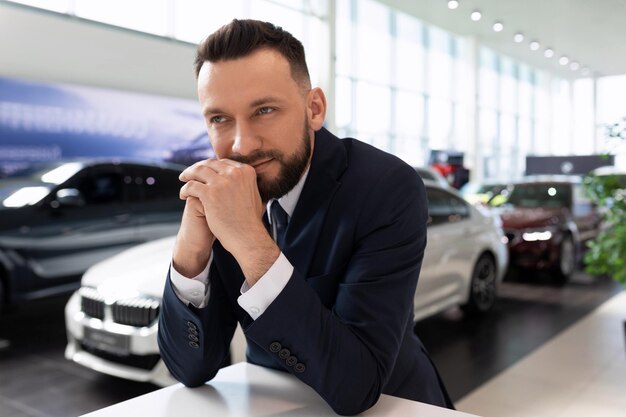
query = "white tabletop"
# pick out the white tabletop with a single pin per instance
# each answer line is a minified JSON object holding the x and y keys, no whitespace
{"x":245,"y":390}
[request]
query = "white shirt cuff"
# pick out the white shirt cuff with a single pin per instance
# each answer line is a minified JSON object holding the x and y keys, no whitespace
{"x":192,"y":290}
{"x":256,"y":299}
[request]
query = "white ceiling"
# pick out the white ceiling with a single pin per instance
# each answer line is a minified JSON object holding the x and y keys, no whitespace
{"x":591,"y":32}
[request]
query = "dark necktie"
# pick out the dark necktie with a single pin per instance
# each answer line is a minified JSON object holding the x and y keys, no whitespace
{"x":279,"y":222}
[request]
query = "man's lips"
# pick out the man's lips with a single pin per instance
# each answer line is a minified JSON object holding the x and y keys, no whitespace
{"x":262,"y":165}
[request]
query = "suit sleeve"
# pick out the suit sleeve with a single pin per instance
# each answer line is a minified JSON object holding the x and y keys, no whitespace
{"x":195,"y":341}
{"x":347,"y":353}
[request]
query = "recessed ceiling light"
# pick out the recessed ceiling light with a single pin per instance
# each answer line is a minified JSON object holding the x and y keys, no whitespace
{"x":498,"y":26}
{"x":548,"y":53}
{"x":563,"y":60}
{"x":534,"y":45}
{"x":476,"y":15}
{"x":574,"y":66}
{"x":518,"y":37}
{"x":453,"y":4}
{"x":585,"y":71}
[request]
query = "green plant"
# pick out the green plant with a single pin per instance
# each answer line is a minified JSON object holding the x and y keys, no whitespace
{"x":607,"y":252}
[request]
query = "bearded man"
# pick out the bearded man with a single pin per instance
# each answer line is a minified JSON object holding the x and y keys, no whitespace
{"x":312,"y":243}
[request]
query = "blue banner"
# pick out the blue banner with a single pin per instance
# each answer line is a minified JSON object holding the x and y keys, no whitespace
{"x":49,"y":122}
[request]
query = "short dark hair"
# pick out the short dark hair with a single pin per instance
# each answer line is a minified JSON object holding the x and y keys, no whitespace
{"x":240,"y":38}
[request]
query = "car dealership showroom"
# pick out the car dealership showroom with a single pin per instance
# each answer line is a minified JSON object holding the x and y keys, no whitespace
{"x":129,"y":145}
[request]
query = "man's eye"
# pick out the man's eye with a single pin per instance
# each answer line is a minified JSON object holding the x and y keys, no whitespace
{"x":217,"y":119}
{"x":265,"y":110}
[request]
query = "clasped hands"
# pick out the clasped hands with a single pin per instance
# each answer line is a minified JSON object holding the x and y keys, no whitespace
{"x":223,"y":203}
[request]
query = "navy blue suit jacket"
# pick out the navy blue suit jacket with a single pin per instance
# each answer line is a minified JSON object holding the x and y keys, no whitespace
{"x":344,"y":322}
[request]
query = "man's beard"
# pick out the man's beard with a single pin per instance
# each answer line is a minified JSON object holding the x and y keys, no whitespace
{"x":291,"y":169}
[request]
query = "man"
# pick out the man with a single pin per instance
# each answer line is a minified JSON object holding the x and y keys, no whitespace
{"x":332,"y":302}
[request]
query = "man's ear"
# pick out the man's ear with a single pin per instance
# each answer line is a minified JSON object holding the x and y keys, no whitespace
{"x":316,"y":108}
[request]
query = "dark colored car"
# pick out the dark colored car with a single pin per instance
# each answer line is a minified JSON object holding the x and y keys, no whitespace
{"x":58,"y":219}
{"x":547,"y":222}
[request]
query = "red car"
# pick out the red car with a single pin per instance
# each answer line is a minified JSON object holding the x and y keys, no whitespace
{"x":547,"y":222}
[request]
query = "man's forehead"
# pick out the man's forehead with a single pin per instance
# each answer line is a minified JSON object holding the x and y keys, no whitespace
{"x":245,"y":82}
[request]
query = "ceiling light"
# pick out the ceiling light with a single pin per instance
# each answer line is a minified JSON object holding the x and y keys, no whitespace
{"x":476,"y":15}
{"x":563,"y":60}
{"x":453,"y":4}
{"x":585,"y":71}
{"x":518,"y":37}
{"x":498,"y":26}
{"x":548,"y":53}
{"x":574,"y":66}
{"x":534,"y":45}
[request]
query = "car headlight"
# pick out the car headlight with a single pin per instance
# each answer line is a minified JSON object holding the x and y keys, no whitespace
{"x":538,"y":235}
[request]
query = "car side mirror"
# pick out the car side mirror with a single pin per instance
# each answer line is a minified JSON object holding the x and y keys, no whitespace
{"x":68,"y":197}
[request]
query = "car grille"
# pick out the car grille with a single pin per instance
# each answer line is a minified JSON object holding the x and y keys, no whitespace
{"x":91,"y":303}
{"x":138,"y":311}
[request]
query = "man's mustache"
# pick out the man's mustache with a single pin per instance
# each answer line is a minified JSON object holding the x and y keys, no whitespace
{"x":257,"y":156}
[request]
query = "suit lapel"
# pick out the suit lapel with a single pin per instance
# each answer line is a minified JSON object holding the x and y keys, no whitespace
{"x":327,"y":164}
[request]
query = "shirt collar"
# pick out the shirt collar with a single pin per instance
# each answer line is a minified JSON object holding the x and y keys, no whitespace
{"x":288,"y":201}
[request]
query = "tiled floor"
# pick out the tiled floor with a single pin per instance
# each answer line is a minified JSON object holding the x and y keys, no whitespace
{"x":580,"y":372}
{"x":36,"y":381}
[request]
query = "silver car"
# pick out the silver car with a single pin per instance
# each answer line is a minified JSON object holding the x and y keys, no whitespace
{"x":112,"y":319}
{"x":466,"y":255}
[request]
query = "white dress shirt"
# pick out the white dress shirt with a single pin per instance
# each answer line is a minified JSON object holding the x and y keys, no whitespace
{"x":256,"y":299}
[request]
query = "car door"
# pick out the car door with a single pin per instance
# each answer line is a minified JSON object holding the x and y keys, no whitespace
{"x":71,"y":234}
{"x":444,"y":269}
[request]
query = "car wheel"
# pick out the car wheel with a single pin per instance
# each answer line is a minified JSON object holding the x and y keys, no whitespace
{"x":483,"y":286}
{"x":567,"y":260}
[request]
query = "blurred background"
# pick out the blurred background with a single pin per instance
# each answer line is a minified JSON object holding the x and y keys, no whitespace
{"x":512,"y":112}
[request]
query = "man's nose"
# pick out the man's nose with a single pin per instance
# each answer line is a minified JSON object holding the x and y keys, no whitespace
{"x":246,"y":140}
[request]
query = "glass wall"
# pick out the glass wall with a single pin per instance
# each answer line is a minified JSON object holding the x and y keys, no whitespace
{"x":610,"y":110}
{"x":399,"y":83}
{"x":425,"y":99}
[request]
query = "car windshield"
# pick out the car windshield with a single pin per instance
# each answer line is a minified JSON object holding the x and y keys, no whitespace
{"x":29,"y":185}
{"x":19,"y":192}
{"x":547,"y":195}
{"x":478,"y":188}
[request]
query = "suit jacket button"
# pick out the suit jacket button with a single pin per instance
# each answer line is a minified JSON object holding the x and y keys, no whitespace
{"x":193,"y":331}
{"x":291,"y":361}
{"x":193,"y":337}
{"x":192,"y":326}
{"x":194,"y":345}
{"x":284,"y":353}
{"x":275,"y":347}
{"x":299,"y":368}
